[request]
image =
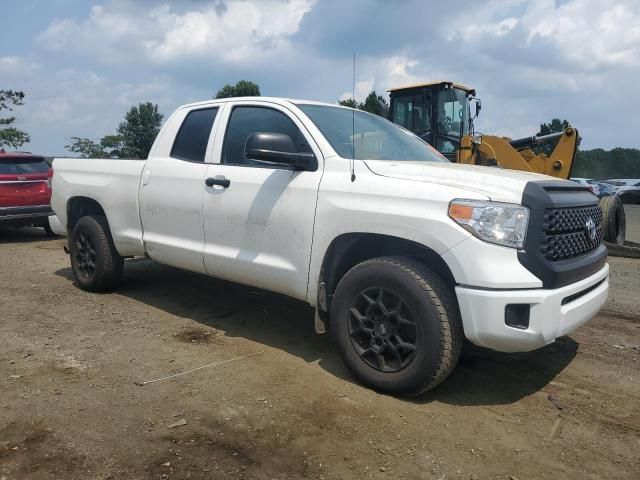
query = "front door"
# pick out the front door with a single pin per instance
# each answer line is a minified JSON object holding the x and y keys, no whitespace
{"x":259,"y":226}
{"x":171,"y":195}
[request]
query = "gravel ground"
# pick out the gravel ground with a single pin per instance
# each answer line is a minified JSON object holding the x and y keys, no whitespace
{"x":71,"y":405}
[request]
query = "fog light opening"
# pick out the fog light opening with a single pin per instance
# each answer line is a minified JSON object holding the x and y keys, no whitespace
{"x":516,"y":315}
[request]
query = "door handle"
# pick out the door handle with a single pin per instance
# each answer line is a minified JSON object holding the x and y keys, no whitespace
{"x":223,"y":182}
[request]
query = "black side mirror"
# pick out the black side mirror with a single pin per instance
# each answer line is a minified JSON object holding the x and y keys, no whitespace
{"x":277,"y":149}
{"x":478,"y":106}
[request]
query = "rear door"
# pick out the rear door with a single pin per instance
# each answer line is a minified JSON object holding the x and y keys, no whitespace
{"x":259,"y":228}
{"x":171,"y":191}
{"x":24,"y":181}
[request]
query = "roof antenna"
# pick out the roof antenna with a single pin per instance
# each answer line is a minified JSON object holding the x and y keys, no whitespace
{"x":353,"y":123}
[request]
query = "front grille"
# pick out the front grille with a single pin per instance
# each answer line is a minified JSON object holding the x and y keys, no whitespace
{"x":566,"y":234}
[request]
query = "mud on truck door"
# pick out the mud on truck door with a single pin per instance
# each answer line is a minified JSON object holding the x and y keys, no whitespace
{"x":258,"y":219}
{"x":171,"y":192}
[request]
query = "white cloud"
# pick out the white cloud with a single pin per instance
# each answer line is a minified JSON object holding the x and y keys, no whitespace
{"x":247,"y":30}
{"x":530,"y":60}
{"x":70,"y":102}
{"x":587,"y":34}
{"x":362,"y":89}
{"x":499,"y":28}
{"x":591,"y":33}
{"x":14,"y":67}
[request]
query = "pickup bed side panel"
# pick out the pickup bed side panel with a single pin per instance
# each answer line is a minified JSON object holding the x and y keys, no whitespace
{"x":113,"y":184}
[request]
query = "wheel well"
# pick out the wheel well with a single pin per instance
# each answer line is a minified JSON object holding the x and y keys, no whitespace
{"x":78,"y":207}
{"x":350,"y":249}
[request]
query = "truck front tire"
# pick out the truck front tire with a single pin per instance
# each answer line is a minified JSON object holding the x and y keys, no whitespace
{"x":96,"y":264}
{"x":396,"y":325}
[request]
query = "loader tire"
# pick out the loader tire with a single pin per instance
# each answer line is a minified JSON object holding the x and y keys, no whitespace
{"x":96,"y":265}
{"x":613,"y":220}
{"x":397,"y":326}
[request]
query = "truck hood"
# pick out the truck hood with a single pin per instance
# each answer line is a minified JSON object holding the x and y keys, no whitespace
{"x":498,"y":184}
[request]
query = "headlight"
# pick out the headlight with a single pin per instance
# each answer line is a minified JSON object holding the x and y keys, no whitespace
{"x":500,"y":223}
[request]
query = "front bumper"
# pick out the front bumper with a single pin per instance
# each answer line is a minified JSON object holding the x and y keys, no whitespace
{"x":27,"y":215}
{"x":553,"y":312}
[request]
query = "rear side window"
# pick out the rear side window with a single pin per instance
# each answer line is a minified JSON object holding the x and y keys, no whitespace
{"x":22,"y":165}
{"x":191,"y":142}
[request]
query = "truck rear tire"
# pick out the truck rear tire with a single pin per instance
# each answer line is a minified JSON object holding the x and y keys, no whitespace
{"x":96,"y":264}
{"x":613,"y":220}
{"x":396,"y":325}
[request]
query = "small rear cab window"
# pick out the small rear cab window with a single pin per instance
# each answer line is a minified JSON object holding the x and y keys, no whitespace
{"x":192,"y":138}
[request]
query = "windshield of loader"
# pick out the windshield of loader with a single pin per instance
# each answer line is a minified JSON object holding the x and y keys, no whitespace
{"x":453,"y":119}
{"x":372,"y":137}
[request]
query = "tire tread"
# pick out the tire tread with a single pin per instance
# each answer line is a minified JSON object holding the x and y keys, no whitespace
{"x":109,"y":274}
{"x":442,"y":297}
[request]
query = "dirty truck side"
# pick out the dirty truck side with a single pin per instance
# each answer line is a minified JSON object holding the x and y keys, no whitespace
{"x":402,"y":253}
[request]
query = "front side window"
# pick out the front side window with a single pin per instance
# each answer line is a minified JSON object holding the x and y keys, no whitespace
{"x":192,"y":139}
{"x":367,"y":136}
{"x":245,"y":120}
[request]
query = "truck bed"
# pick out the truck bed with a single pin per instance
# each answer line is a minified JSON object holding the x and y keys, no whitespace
{"x":112,"y":183}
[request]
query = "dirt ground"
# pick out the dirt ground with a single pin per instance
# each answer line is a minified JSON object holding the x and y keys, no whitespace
{"x":71,"y":405}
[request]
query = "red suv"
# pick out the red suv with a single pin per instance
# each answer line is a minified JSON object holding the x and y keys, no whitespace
{"x":25,"y":190}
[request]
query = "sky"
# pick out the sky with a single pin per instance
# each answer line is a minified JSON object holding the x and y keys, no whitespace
{"x":83,"y":64}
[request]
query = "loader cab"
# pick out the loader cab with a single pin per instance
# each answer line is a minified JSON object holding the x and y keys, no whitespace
{"x":438,"y":112}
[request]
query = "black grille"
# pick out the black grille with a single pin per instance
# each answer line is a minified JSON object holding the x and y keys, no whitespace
{"x":566,"y":234}
{"x":558,"y":249}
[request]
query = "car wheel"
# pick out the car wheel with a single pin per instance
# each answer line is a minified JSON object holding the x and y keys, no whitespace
{"x":396,"y":325}
{"x":613,"y":220}
{"x":96,"y":264}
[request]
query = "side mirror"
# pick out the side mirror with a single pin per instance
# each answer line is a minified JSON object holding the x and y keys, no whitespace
{"x":277,"y":149}
{"x":478,"y":106}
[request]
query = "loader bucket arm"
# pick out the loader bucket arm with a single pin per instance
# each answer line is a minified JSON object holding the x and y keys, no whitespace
{"x":497,"y":150}
{"x":517,"y":154}
{"x":560,"y":162}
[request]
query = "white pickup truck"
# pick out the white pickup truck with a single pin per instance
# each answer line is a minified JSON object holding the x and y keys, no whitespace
{"x":402,"y":253}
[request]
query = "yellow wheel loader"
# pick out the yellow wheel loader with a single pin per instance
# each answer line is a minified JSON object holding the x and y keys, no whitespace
{"x":440,"y":114}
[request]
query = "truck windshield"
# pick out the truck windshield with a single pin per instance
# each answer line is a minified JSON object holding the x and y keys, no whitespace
{"x":372,"y":137}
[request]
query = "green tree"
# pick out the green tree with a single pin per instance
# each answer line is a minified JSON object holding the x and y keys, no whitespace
{"x":597,"y":163}
{"x":603,"y":164}
{"x":109,"y":146}
{"x":374,"y":103}
{"x":244,"y":88}
{"x":9,"y":135}
{"x":554,"y":126}
{"x":136,"y":134}
{"x":349,"y":102}
{"x":138,"y":131}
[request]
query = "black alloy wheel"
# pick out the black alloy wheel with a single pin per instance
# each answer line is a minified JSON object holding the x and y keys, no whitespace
{"x":85,"y":255}
{"x":396,"y":324}
{"x":96,"y":264}
{"x":383,"y":330}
